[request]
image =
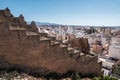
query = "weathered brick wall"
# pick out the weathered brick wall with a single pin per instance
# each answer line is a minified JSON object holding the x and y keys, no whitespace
{"x":26,"y":51}
{"x":7,"y":12}
{"x":29,"y":52}
{"x":81,"y":43}
{"x":4,"y":37}
{"x":43,"y":34}
{"x":22,"y":21}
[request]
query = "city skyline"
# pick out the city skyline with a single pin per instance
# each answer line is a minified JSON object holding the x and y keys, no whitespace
{"x":70,"y":12}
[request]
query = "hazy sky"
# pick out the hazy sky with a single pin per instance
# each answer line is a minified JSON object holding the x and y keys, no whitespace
{"x":78,"y":12}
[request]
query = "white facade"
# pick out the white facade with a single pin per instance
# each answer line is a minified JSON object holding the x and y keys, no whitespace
{"x":106,"y":72}
{"x":114,"y":50}
{"x":106,"y":63}
{"x":103,"y":41}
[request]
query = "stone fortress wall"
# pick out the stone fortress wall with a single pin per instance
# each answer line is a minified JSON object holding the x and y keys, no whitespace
{"x":23,"y":47}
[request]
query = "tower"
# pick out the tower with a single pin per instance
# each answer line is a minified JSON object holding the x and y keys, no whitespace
{"x":7,"y":12}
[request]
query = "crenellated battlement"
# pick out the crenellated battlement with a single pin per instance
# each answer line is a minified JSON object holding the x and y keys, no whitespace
{"x":22,"y":45}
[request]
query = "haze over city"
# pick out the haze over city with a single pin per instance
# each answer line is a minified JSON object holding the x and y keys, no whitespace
{"x":71,"y":12}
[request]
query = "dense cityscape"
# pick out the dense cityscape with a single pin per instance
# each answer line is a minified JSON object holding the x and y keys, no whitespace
{"x":57,"y":51}
{"x":59,"y":40}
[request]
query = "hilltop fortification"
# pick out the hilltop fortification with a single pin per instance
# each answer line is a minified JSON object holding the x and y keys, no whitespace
{"x":22,"y":47}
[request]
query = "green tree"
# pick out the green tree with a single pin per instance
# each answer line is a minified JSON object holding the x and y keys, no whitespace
{"x":117,"y":71}
{"x":106,"y":78}
{"x":78,"y":77}
{"x":75,"y":76}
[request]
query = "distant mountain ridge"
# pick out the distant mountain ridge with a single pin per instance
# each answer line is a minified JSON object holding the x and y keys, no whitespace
{"x":48,"y":23}
{"x":43,"y":23}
